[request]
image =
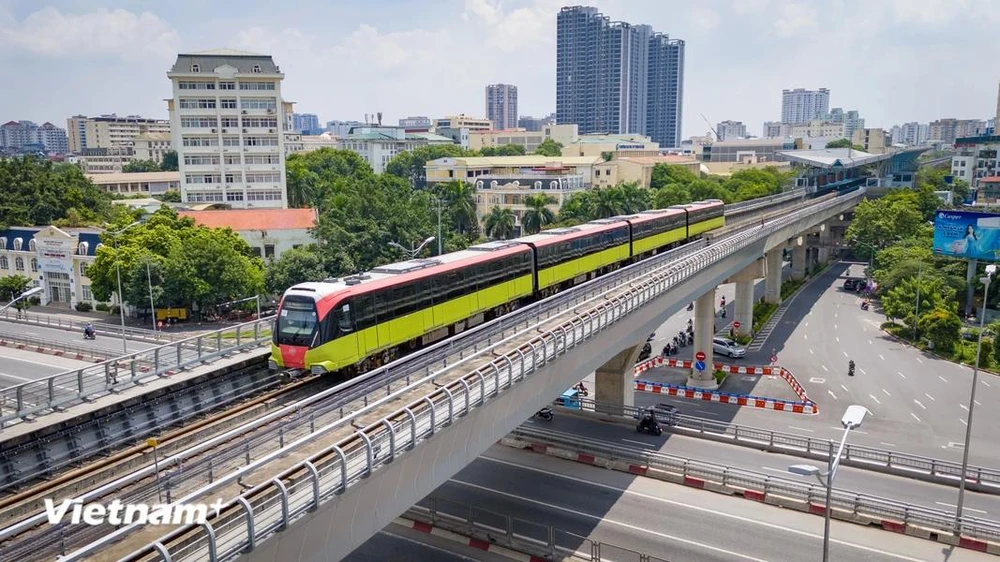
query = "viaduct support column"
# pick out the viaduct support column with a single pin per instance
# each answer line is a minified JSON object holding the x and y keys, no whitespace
{"x":772,"y":276}
{"x":800,"y":259}
{"x":704,"y":333}
{"x":825,"y":239}
{"x":744,"y":306}
{"x":614,"y":381}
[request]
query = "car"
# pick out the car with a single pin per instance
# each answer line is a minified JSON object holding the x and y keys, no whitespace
{"x":665,"y":413}
{"x":728,"y":347}
{"x":851,"y":283}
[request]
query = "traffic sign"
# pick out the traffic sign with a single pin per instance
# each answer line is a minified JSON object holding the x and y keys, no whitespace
{"x":700,"y":356}
{"x":774,"y":359}
{"x":736,"y":324}
{"x":699,"y":365}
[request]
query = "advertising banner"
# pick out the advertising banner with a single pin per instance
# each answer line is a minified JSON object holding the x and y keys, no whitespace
{"x":968,"y":235}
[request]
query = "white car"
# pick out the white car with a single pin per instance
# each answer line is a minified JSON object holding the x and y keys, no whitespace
{"x":728,"y":347}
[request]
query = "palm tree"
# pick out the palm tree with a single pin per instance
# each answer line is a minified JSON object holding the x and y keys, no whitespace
{"x":499,"y":223}
{"x":460,"y":198}
{"x":606,"y":202}
{"x":634,"y":198}
{"x":538,"y":214}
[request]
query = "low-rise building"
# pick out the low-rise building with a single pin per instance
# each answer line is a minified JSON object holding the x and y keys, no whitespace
{"x":378,"y":145}
{"x":638,"y":169}
{"x":872,"y":140}
{"x":975,"y":159}
{"x":458,"y":127}
{"x":152,"y":146}
{"x":731,"y":130}
{"x":103,"y":160}
{"x":529,"y":140}
{"x":617,"y":146}
{"x":139,"y":183}
{"x":316,"y":142}
{"x":817,"y":128}
{"x":747,"y":151}
{"x":776,"y":130}
{"x":270,"y":232}
{"x":55,"y":259}
{"x":472,"y":168}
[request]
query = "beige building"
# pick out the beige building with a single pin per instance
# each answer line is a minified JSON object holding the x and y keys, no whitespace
{"x":55,"y":259}
{"x":501,"y":168}
{"x":152,"y":146}
{"x":110,"y":131}
{"x":638,"y":169}
{"x":145,"y":183}
{"x":617,"y":145}
{"x":463,"y":121}
{"x":817,"y":128}
{"x":529,"y":140}
{"x":873,"y":140}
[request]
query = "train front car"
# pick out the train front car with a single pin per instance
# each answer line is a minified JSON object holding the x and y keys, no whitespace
{"x":704,"y":216}
{"x":298,"y":326}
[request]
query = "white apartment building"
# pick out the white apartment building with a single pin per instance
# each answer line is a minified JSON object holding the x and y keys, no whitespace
{"x":817,"y":128}
{"x":152,"y":146}
{"x":777,"y":130}
{"x":228,"y":121}
{"x":801,"y":105}
{"x":731,"y":130}
{"x":378,"y":145}
{"x":137,"y":183}
{"x":110,"y":131}
{"x":501,"y":105}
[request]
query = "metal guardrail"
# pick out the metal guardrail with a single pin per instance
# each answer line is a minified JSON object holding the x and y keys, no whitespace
{"x":853,"y":502}
{"x":988,"y":479}
{"x":764,"y":202}
{"x":71,"y":387}
{"x":520,"y":534}
{"x":32,"y":343}
{"x":104,"y":328}
{"x":274,"y":505}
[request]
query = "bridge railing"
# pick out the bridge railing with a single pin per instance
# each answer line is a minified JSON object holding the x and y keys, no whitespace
{"x":71,"y":387}
{"x":102,"y":328}
{"x":764,"y":202}
{"x":856,"y":503}
{"x":276,"y":503}
{"x":69,"y":350}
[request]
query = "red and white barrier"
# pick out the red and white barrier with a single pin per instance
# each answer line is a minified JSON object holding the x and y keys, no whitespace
{"x":468,"y":541}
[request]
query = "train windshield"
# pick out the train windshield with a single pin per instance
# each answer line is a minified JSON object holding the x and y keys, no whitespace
{"x":297,"y":322}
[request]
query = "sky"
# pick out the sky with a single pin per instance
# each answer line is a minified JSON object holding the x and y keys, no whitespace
{"x":893,"y":60}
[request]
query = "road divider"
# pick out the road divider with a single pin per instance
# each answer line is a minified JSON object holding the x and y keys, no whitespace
{"x":53,"y":348}
{"x":802,"y":406}
{"x":976,"y":534}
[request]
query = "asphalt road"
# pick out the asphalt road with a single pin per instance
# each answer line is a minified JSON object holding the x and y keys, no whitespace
{"x":915,"y":492}
{"x":661,"y":519}
{"x":917,"y":402}
{"x":18,"y":366}
{"x":105,"y":342}
{"x":400,"y":543}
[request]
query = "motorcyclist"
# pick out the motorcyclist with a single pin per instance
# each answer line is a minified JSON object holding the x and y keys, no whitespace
{"x":850,"y":367}
{"x":88,"y":330}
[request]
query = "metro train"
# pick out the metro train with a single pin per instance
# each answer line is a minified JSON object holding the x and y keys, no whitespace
{"x":350,"y":325}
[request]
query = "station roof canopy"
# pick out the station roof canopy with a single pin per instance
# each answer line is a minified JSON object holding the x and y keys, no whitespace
{"x":830,"y":158}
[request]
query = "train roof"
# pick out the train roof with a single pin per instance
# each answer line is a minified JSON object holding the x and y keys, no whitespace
{"x":652,"y":214}
{"x":392,"y":273}
{"x":706,"y":203}
{"x":554,"y":235}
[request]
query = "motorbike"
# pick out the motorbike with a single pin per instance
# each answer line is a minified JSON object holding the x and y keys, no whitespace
{"x":545,"y":414}
{"x":582,"y":390}
{"x":690,"y":307}
{"x":690,"y":339}
{"x":89,"y":335}
{"x":850,"y":370}
{"x":864,"y":306}
{"x":649,"y":425}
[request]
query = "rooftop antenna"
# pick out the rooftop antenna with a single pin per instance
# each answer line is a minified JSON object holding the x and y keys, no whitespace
{"x":379,"y":114}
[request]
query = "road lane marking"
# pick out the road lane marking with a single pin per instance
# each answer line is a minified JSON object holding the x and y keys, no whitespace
{"x":964,"y":407}
{"x":834,"y":314}
{"x":806,"y":324}
{"x":830,"y":392}
{"x":986,"y":383}
{"x":639,"y":443}
{"x":863,"y":372}
{"x":707,"y":413}
{"x":835,"y":327}
{"x":870,"y":342}
{"x":811,"y":352}
{"x":805,"y":336}
{"x":838,"y":341}
{"x":900,"y":373}
{"x":918,"y":360}
{"x":963,"y":509}
{"x":845,"y":388}
{"x":919,"y":404}
{"x":824,"y":368}
{"x":942,"y":378}
{"x":887,"y":444}
{"x":880,"y":356}
{"x":446,"y":552}
{"x":886,"y":392}
{"x":963,"y":421}
{"x":693,"y":507}
{"x":914,"y":416}
{"x":977,"y":402}
{"x":846,"y":355}
{"x":801,"y":429}
{"x":872,"y":396}
{"x":929,"y":396}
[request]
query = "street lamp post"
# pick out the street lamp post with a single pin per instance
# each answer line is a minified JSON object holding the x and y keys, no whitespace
{"x":255,"y":298}
{"x":916,"y":313}
{"x":152,"y":307}
{"x":440,"y":205}
{"x":413,"y":252}
{"x":852,"y":419}
{"x":990,"y":271}
{"x":118,"y":273}
{"x":30,"y":292}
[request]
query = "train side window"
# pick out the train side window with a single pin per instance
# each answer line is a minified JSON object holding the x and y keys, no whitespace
{"x":345,"y":321}
{"x":364,"y":311}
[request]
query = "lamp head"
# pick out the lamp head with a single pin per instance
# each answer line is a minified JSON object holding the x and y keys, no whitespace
{"x":803,"y":469}
{"x":991,"y":270}
{"x":429,"y":240}
{"x":854,"y":416}
{"x":31,"y":291}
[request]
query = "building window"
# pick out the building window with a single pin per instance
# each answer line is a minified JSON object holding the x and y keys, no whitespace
{"x":83,"y":248}
{"x":19,"y":264}
{"x":83,"y":269}
{"x":34,"y":264}
{"x":256,"y":251}
{"x":258,"y":103}
{"x":199,"y":122}
{"x":256,"y":69}
{"x":190,"y":85}
{"x":230,"y":122}
{"x":268,"y":250}
{"x":234,"y":196}
{"x":227,"y":85}
{"x":257,"y":85}
{"x":195,"y":68}
{"x":3,"y":262}
{"x":227,"y":103}
{"x":17,"y":244}
{"x":87,"y":295}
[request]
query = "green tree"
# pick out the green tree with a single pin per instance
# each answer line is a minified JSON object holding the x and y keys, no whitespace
{"x":549,"y":147}
{"x":171,"y":196}
{"x":708,"y":189}
{"x":901,"y":301}
{"x":499,"y":223}
{"x":606,"y":202}
{"x":667,"y":174}
{"x":409,"y":165}
{"x":309,"y":176}
{"x":879,"y":222}
{"x":634,"y":197}
{"x":503,"y":150}
{"x":36,"y":192}
{"x":141,"y":166}
{"x":169,"y":162}
{"x":942,"y":327}
{"x":460,"y":201}
{"x":294,"y":266}
{"x":576,"y":208}
{"x":844,"y":143}
{"x":538,"y":215}
{"x":13,"y":286}
{"x":961,"y":191}
{"x":671,"y":194}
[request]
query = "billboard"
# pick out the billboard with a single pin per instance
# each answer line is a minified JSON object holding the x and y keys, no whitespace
{"x":968,"y":235}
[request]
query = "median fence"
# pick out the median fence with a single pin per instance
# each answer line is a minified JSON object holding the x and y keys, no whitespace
{"x":102,"y":328}
{"x":72,"y":387}
{"x":539,"y":336}
{"x":938,"y":525}
{"x":803,"y":406}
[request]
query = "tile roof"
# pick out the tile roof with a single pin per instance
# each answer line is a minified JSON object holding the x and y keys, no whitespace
{"x":243,"y":62}
{"x":516,"y":161}
{"x":255,"y":219}
{"x":662,"y":159}
{"x":134,"y":177}
{"x":833,"y":157}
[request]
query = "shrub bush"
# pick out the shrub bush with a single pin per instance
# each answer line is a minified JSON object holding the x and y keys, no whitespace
{"x":84,"y":306}
{"x":102,"y":307}
{"x":115,"y":310}
{"x":35,"y":301}
{"x":720,"y":376}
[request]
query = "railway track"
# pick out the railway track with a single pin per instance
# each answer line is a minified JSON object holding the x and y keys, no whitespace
{"x":199,"y":459}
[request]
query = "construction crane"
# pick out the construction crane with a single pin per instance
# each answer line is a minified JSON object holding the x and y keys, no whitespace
{"x":709,"y":123}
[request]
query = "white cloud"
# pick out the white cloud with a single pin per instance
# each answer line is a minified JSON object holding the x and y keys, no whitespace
{"x":706,"y":18}
{"x":49,"y":32}
{"x":796,"y":19}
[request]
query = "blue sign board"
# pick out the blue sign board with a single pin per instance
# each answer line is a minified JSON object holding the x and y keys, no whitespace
{"x":968,"y":235}
{"x":699,"y":365}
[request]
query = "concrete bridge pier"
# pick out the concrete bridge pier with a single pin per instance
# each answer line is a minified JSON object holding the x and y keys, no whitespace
{"x":825,"y":241}
{"x":704,"y":333}
{"x":800,"y":259}
{"x":744,"y":301}
{"x":772,"y":275}
{"x":614,"y":381}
